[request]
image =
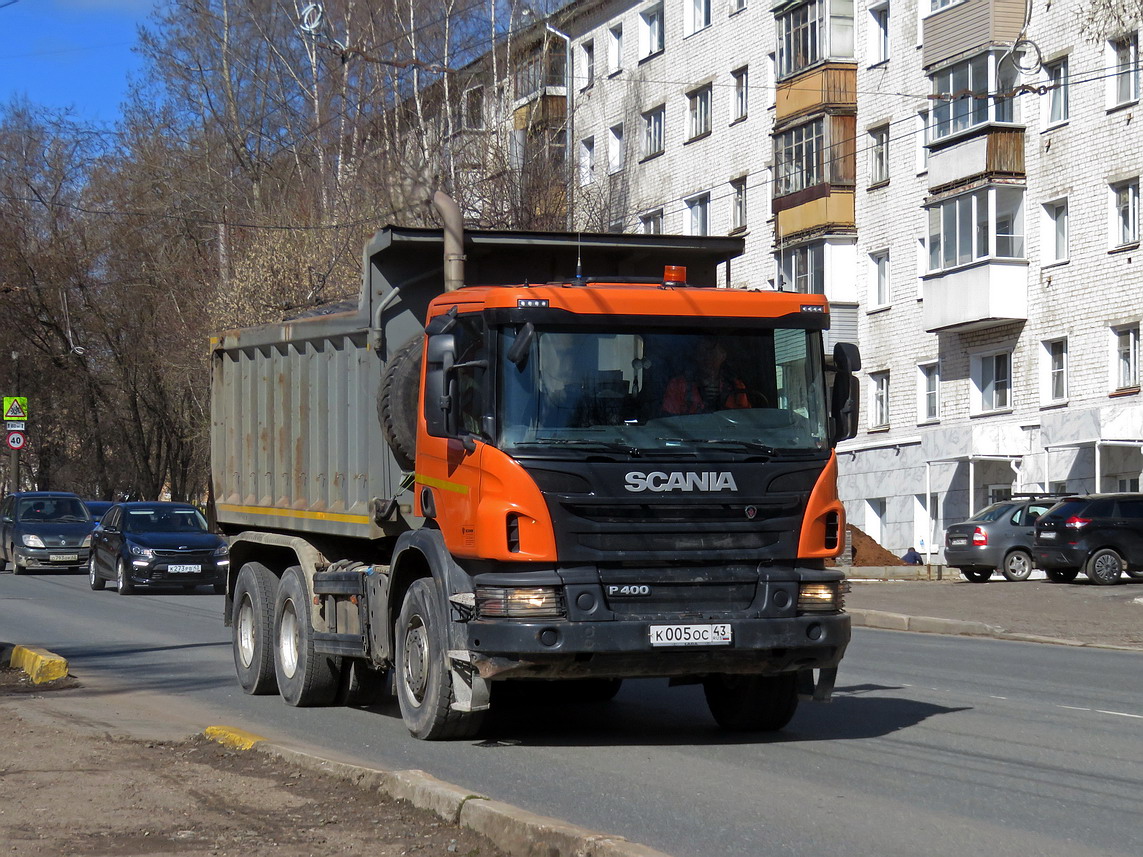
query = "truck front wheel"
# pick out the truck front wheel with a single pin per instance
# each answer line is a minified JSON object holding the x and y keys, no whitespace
{"x":422,"y":677}
{"x":252,"y":629}
{"x":305,"y":677}
{"x":752,"y":703}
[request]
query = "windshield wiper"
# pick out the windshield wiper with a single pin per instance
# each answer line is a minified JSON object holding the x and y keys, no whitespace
{"x":726,"y":443}
{"x":585,"y":443}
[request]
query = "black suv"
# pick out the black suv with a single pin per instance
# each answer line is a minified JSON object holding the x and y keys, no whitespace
{"x":997,"y":537}
{"x":1099,"y":534}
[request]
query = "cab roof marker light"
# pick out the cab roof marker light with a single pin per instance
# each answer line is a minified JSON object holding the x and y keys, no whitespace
{"x":674,"y":275}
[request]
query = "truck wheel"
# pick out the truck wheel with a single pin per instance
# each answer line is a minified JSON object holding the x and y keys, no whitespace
{"x":93,"y":579}
{"x":305,"y":678}
{"x":252,"y":629}
{"x":1062,"y":575}
{"x":752,"y":703}
{"x":977,"y":575}
{"x":1104,"y":567}
{"x":1017,"y":566}
{"x":422,"y":677}
{"x":397,"y":401}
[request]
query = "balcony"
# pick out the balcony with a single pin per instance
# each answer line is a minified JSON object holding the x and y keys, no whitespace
{"x":967,"y":26}
{"x":817,"y":210}
{"x":833,"y":85}
{"x":995,"y":153}
{"x":977,"y":296}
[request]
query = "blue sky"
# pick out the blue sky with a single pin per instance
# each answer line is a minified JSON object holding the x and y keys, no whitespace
{"x":70,"y":53}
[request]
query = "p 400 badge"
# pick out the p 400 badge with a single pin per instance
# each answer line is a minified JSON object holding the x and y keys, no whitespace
{"x":628,"y":590}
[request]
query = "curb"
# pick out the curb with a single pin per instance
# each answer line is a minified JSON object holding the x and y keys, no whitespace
{"x":514,"y":831}
{"x":41,"y":665}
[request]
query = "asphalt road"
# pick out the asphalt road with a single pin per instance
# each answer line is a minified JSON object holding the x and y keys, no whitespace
{"x":934,"y":745}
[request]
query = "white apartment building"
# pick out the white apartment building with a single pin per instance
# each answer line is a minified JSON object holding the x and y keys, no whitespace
{"x":959,"y":177}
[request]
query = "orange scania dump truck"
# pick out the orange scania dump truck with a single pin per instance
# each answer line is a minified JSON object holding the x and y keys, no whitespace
{"x":550,"y":460}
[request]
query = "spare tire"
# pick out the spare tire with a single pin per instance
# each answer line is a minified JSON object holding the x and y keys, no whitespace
{"x":397,"y":401}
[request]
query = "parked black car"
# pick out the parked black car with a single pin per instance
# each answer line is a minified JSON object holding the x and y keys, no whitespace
{"x":44,"y":530}
{"x":997,"y":537}
{"x":157,"y":544}
{"x":1099,"y":534}
{"x":98,"y":508}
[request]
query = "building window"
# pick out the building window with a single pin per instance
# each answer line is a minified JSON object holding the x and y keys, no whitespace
{"x":615,"y":148}
{"x":940,"y":4}
{"x":546,"y":67}
{"x":738,"y":212}
{"x":929,"y":404}
{"x":799,"y":157}
{"x":651,"y":31}
{"x":1056,"y":359}
{"x":652,"y":222}
{"x":737,"y":6}
{"x":879,"y":411}
{"x":879,"y":155}
{"x":879,"y":32}
{"x":976,"y":226}
{"x":697,"y":16}
{"x":615,"y":48}
{"x":962,"y":98}
{"x":992,"y":382}
{"x":880,"y":270}
{"x":474,"y":108}
{"x":1056,"y":239}
{"x":587,"y":160}
{"x":1125,"y":213}
{"x":587,"y":51}
{"x":1126,"y":341}
{"x":698,"y":215}
{"x":653,"y":131}
{"x":1125,"y":60}
{"x":802,"y":269}
{"x":699,"y":113}
{"x":812,"y":31}
{"x":1127,"y":485}
{"x":1057,"y":79}
{"x":741,"y":92}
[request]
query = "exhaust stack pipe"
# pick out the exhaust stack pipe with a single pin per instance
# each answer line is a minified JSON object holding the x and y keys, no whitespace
{"x":449,"y":213}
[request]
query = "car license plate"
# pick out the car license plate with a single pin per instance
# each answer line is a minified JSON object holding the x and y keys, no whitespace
{"x":690,"y":635}
{"x":1047,"y":534}
{"x":184,"y":569}
{"x":958,"y":543}
{"x":63,"y":557}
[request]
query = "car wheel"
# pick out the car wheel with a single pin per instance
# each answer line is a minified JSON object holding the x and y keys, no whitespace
{"x":1105,"y":567}
{"x":1062,"y":575}
{"x":752,"y":703}
{"x":93,"y":579}
{"x":1017,"y":566}
{"x":16,"y":567}
{"x":306,"y":677}
{"x":252,"y":628}
{"x":977,"y":575}
{"x":123,"y":584}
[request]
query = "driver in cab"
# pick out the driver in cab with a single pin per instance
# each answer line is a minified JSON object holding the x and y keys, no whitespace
{"x":706,"y":385}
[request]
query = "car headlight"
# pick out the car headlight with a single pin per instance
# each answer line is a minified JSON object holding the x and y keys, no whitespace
{"x":86,"y":543}
{"x":31,"y":540}
{"x":141,"y":551}
{"x":821,"y":597}
{"x":519,"y":602}
{"x":222,"y":550}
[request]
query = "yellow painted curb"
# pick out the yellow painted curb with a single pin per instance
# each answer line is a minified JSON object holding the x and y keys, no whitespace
{"x":40,"y":664}
{"x":229,"y":736}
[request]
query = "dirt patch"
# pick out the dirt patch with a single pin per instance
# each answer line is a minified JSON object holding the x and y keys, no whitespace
{"x":64,"y":791}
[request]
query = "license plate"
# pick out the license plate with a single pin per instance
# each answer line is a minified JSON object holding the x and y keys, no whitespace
{"x":63,"y":557}
{"x":1047,"y":534}
{"x":184,"y":569}
{"x":690,"y":635}
{"x":957,"y":543}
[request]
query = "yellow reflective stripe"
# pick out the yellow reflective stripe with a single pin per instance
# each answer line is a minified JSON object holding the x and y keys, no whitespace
{"x":296,"y":513}
{"x":443,"y":484}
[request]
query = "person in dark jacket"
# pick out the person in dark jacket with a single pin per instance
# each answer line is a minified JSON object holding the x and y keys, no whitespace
{"x":706,"y":386}
{"x":912,"y":557}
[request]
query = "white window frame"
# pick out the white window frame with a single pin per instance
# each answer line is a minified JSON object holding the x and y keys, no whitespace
{"x":991,"y":382}
{"x":737,"y":6}
{"x":813,"y":31}
{"x":587,"y":55}
{"x":879,"y":42}
{"x":696,"y":16}
{"x":1123,"y":70}
{"x":879,"y":400}
{"x":654,"y":127}
{"x":880,"y":279}
{"x":741,"y":78}
{"x":955,"y":228}
{"x":799,"y":157}
{"x":923,"y":119}
{"x":473,"y":113}
{"x":651,"y":223}
{"x":651,"y":31}
{"x":1125,"y":357}
{"x":879,"y":155}
{"x":1124,"y":215}
{"x":698,"y":214}
{"x":1058,"y":109}
{"x":615,"y":154}
{"x":738,"y":204}
{"x":801,"y":268}
{"x":975,"y":77}
{"x":928,"y":392}
{"x":1056,"y":236}
{"x":586,"y":161}
{"x":1055,"y":371}
{"x":615,"y":49}
{"x":699,"y":112}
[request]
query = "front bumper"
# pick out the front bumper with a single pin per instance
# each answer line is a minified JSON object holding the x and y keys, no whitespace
{"x":52,"y":558}
{"x":157,"y":572}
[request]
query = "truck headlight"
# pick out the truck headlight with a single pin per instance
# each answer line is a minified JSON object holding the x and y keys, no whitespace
{"x":519,"y":602}
{"x":31,"y":540}
{"x":821,"y":597}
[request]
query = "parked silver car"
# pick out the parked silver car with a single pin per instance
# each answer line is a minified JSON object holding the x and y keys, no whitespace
{"x":998,"y":537}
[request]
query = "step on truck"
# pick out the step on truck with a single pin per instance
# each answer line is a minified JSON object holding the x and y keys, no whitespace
{"x":539,"y":460}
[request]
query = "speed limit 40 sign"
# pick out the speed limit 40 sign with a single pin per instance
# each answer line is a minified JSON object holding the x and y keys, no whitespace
{"x":16,"y":440}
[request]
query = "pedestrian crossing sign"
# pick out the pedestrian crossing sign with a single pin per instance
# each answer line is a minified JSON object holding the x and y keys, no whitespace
{"x":16,"y":408}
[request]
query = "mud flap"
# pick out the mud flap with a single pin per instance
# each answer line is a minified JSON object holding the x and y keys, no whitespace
{"x":470,"y":691}
{"x":820,"y":690}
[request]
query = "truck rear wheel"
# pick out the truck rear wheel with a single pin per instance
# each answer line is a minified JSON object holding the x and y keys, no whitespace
{"x":752,"y":703}
{"x":305,"y":677}
{"x":422,"y":677}
{"x":252,"y":629}
{"x":397,"y":401}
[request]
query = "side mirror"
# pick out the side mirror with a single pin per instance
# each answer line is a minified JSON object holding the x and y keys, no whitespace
{"x":845,"y":401}
{"x":440,"y":413}
{"x":518,"y":351}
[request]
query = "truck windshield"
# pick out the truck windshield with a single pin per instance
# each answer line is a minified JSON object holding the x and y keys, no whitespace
{"x":700,"y":390}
